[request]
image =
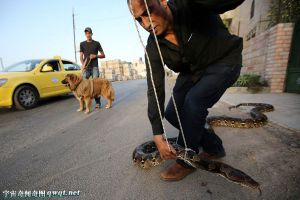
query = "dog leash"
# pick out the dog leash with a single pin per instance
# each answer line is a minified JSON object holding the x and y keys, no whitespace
{"x":85,"y":65}
{"x":83,"y":70}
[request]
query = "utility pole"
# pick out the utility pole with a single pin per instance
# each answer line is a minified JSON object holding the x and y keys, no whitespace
{"x":73,"y":16}
{"x":2,"y":63}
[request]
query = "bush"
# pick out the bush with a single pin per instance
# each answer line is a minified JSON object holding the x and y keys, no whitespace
{"x":284,"y":11}
{"x":249,"y":80}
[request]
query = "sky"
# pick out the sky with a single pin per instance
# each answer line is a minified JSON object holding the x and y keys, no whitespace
{"x":31,"y":29}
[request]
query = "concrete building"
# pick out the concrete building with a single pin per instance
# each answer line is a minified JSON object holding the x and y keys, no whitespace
{"x":127,"y":69}
{"x":115,"y":65}
{"x":117,"y":70}
{"x":135,"y":74}
{"x":108,"y":74}
{"x":249,"y":19}
{"x":271,"y":52}
{"x":140,"y":67}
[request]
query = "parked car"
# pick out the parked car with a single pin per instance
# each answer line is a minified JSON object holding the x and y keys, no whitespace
{"x":23,"y":84}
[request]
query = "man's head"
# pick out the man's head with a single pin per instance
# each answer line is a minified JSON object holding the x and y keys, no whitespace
{"x":160,"y":14}
{"x":88,"y":33}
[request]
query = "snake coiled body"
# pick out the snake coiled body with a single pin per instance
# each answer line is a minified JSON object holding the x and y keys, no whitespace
{"x":258,"y":119}
{"x":147,"y":155}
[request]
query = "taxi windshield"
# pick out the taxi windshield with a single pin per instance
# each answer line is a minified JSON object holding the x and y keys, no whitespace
{"x":24,"y":66}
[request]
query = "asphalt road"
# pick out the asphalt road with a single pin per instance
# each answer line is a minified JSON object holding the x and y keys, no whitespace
{"x":52,"y":147}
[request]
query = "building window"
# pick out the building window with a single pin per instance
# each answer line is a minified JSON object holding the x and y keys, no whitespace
{"x":252,"y":9}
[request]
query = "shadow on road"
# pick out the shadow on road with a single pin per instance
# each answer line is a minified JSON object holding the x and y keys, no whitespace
{"x":43,"y":102}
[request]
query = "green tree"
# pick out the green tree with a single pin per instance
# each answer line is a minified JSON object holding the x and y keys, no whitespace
{"x":284,"y":11}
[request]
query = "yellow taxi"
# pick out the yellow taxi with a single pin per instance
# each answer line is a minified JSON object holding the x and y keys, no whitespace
{"x":23,"y":84}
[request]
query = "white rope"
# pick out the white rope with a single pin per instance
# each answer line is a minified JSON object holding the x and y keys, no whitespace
{"x":151,"y":75}
{"x":169,"y":87}
{"x":155,"y":93}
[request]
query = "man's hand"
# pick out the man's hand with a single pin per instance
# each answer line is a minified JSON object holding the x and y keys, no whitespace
{"x":83,"y":66}
{"x":163,"y":148}
{"x":93,"y":56}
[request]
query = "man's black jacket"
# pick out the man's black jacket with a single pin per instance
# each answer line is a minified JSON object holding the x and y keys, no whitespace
{"x":203,"y":40}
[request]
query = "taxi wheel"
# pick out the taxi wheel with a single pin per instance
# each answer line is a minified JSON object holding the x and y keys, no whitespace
{"x":25,"y":97}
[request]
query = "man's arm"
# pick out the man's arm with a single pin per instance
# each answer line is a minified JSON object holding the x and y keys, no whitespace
{"x":101,"y":55}
{"x":153,"y":113}
{"x":217,"y":6}
{"x":81,"y":58}
{"x":81,"y":54}
{"x":159,"y":82}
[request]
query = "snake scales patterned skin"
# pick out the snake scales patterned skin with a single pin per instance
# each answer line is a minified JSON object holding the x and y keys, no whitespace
{"x":146,"y":155}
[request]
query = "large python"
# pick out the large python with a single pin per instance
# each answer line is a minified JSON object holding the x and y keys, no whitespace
{"x":146,"y":155}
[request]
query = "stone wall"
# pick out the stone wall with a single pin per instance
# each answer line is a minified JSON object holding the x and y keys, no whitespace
{"x":267,"y":55}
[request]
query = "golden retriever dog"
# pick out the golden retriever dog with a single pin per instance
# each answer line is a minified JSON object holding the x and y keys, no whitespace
{"x":86,"y":90}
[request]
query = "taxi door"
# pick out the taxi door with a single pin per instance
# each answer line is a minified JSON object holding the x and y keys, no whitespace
{"x":49,"y":79}
{"x":70,"y":68}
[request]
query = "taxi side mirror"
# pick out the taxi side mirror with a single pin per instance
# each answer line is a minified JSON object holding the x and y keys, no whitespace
{"x":47,"y":68}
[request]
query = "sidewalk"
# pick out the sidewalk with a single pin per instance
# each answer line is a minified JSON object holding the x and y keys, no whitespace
{"x":287,"y":106}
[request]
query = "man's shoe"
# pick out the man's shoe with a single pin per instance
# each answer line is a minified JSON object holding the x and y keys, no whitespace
{"x":175,"y":173}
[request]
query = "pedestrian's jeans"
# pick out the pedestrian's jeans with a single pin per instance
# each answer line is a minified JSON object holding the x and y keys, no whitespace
{"x":193,"y":100}
{"x":94,"y":72}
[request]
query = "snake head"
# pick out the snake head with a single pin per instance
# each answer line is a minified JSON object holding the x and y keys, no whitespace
{"x":188,"y":156}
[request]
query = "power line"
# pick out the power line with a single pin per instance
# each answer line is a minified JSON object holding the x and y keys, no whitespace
{"x":2,"y":63}
{"x":73,"y":16}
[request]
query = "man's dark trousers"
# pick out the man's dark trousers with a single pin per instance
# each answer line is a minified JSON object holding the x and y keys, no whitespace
{"x":94,"y":73}
{"x":193,"y":100}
